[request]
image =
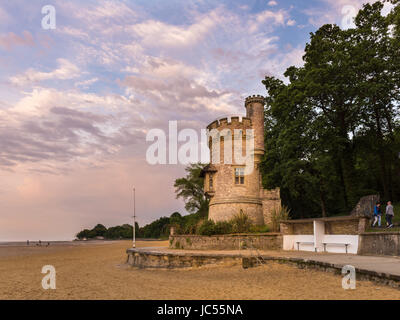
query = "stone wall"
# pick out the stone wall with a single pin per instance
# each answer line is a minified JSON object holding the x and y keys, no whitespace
{"x":340,"y":227}
{"x":346,"y":225}
{"x":271,"y":200}
{"x":379,"y":243}
{"x":142,"y":259}
{"x":265,"y":241}
{"x":305,"y":227}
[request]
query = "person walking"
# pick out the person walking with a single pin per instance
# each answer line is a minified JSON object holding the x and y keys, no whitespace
{"x":377,"y":214}
{"x":389,"y":214}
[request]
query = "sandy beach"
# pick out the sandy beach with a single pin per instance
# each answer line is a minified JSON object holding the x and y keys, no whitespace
{"x":97,"y":270}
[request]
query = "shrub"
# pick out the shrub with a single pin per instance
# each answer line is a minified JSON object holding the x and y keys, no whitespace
{"x":207,"y":228}
{"x":223,"y":227}
{"x":241,"y":223}
{"x":259,"y":229}
{"x":278,"y":215}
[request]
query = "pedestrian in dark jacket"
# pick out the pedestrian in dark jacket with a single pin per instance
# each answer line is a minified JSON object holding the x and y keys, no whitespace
{"x":389,"y":214}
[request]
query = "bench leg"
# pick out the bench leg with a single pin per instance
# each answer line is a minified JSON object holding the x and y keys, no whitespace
{"x":298,"y":246}
{"x":346,"y":247}
{"x":324,"y":247}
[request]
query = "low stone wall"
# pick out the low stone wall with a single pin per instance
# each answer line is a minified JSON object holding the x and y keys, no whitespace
{"x":264,"y":241}
{"x":143,"y":259}
{"x":148,"y":258}
{"x":379,"y":243}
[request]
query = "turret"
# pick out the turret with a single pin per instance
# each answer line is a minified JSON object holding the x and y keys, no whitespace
{"x":255,"y":111}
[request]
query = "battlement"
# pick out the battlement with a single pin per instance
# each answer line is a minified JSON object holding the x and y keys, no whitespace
{"x":255,"y":98}
{"x":233,"y":122}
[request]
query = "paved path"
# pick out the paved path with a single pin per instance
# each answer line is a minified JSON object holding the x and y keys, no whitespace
{"x":380,"y":266}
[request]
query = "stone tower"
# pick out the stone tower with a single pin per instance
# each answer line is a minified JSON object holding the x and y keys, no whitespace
{"x":230,"y":188}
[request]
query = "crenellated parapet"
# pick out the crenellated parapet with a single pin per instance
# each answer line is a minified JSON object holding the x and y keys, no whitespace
{"x":254,"y":98}
{"x":230,"y":123}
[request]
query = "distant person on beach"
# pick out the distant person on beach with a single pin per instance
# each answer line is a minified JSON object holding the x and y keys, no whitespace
{"x":40,"y":242}
{"x":389,"y":214}
{"x":377,"y":214}
{"x":27,"y":242}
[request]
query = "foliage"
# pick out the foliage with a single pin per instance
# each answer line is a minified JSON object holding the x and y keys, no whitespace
{"x":223,"y":227}
{"x":118,"y":232}
{"x":259,"y":228}
{"x":277,"y":215}
{"x":207,"y":228}
{"x":240,"y":223}
{"x":191,"y":190}
{"x":333,"y":131}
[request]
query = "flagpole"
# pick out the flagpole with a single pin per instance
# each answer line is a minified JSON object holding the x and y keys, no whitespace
{"x":134,"y":222}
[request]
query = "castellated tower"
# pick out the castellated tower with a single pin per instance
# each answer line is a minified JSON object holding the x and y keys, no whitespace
{"x":230,"y":186}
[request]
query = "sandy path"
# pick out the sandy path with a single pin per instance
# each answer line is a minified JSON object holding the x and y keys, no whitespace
{"x":99,"y":272}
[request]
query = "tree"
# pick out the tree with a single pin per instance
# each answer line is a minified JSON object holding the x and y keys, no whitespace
{"x":99,"y":230}
{"x":191,"y":190}
{"x":332,"y":131}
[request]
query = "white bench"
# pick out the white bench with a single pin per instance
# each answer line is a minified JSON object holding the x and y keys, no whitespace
{"x":335,"y":243}
{"x":304,"y":242}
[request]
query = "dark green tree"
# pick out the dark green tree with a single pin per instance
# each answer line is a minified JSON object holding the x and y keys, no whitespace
{"x":332,"y":131}
{"x":191,"y":190}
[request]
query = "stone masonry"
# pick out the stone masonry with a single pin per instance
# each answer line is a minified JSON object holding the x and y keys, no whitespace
{"x":228,"y":193}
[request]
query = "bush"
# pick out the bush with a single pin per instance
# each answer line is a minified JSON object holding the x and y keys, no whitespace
{"x":241,"y":223}
{"x":207,"y":228}
{"x":278,"y":215}
{"x":259,"y":229}
{"x":223,"y":227}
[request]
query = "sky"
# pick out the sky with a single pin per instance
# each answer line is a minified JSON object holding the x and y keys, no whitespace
{"x":77,"y":100}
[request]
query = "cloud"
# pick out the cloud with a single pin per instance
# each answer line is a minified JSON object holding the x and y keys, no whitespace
{"x":100,"y":11}
{"x":70,"y":150}
{"x":49,"y":126}
{"x":4,"y":17}
{"x":338,"y":10}
{"x":265,"y":18}
{"x":272,"y":3}
{"x":73,"y":32}
{"x":172,"y":85}
{"x":86,"y":83}
{"x":66,"y":70}
{"x":10,"y":40}
{"x":279,"y":63}
{"x":157,"y":33}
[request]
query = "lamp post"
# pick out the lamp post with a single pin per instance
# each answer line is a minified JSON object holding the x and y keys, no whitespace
{"x":134,"y":222}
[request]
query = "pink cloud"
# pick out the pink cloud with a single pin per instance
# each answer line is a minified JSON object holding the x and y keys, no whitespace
{"x":11,"y":40}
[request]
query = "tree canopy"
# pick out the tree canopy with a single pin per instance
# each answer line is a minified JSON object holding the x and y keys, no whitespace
{"x":191,"y":189}
{"x":332,"y":130}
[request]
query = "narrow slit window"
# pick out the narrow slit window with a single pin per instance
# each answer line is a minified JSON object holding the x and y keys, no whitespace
{"x":211,"y":182}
